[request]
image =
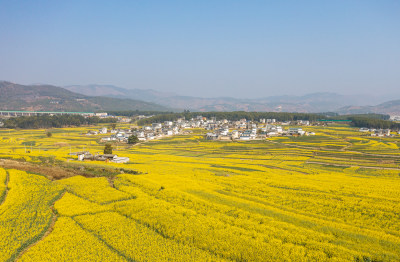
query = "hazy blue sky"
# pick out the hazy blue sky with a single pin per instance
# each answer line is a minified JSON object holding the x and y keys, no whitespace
{"x":205,"y":48}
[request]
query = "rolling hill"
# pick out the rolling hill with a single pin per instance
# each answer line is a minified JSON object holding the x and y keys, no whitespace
{"x":389,"y":107}
{"x":52,"y":98}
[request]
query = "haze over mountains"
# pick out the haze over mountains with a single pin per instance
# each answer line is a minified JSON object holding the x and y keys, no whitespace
{"x":316,"y":102}
{"x":43,"y":97}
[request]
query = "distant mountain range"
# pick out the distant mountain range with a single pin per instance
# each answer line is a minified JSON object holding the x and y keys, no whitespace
{"x":314,"y":103}
{"x":111,"y":98}
{"x":53,"y":98}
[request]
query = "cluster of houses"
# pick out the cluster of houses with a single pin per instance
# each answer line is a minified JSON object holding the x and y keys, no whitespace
{"x":219,"y":129}
{"x":249,"y":130}
{"x":377,"y":132}
{"x":255,"y":133}
{"x":224,"y":129}
{"x":155,"y":131}
{"x":86,"y":155}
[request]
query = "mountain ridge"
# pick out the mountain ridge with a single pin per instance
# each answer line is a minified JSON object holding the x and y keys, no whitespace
{"x":52,"y":98}
{"x":312,"y":103}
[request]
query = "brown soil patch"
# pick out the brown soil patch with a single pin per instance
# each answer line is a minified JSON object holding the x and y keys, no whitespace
{"x":52,"y":172}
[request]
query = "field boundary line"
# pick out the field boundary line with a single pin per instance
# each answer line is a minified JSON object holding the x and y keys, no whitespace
{"x":102,"y":240}
{"x":49,"y":229}
{"x":4,"y":196}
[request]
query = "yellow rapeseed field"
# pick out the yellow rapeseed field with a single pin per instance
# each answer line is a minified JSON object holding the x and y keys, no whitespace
{"x":334,"y":196}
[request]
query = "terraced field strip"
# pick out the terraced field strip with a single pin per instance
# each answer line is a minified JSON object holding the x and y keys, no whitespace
{"x":48,"y":231}
{"x":344,"y":165}
{"x":25,"y":215}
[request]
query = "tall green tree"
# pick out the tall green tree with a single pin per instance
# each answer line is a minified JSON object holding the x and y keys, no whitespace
{"x":133,"y":140}
{"x":108,"y":149}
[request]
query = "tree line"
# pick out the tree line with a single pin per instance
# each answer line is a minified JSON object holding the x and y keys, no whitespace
{"x":369,"y":116}
{"x":55,"y":121}
{"x":362,"y":121}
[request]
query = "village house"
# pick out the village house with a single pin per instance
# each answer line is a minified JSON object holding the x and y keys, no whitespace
{"x":150,"y":136}
{"x":381,"y":132}
{"x":105,"y":139}
{"x":211,"y":136}
{"x":156,"y":126}
{"x":296,"y":131}
{"x":168,"y":132}
{"x":101,"y":115}
{"x":91,"y":133}
{"x":235,"y":134}
{"x":303,"y":122}
{"x":247,"y":135}
{"x":168,"y":123}
{"x":124,"y":120}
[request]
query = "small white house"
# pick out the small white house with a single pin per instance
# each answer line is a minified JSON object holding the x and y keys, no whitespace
{"x":105,"y":139}
{"x":244,"y":137}
{"x":247,"y":135}
{"x":211,"y":136}
{"x":168,"y":132}
{"x":91,"y":133}
{"x":296,"y":131}
{"x":120,"y":160}
{"x":235,"y":134}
